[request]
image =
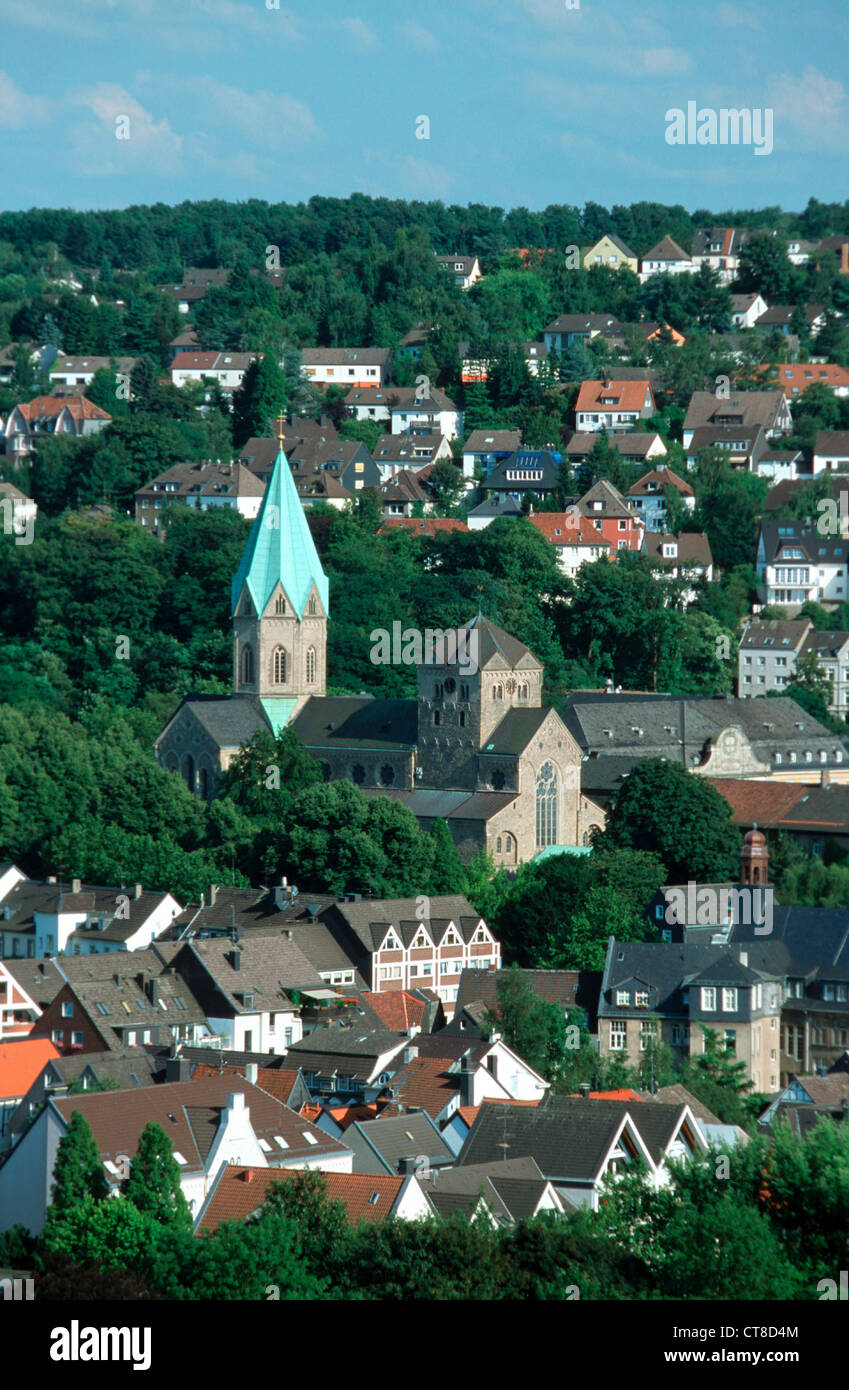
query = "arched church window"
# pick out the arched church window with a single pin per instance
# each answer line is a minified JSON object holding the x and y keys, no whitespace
{"x":280,"y":605}
{"x":311,"y":607}
{"x":437,"y":691}
{"x":387,"y":774}
{"x":310,"y":665}
{"x":247,"y":664}
{"x":508,"y":843}
{"x":546,"y":806}
{"x":524,"y":692}
{"x":462,"y":719}
{"x":436,"y":716}
{"x":464,"y":692}
{"x":326,"y":771}
{"x":279,"y":666}
{"x":189,"y":771}
{"x":450,"y":685}
{"x":498,"y":780}
{"x":498,"y":845}
{"x":203,"y":783}
{"x":498,"y":692}
{"x":358,"y":774}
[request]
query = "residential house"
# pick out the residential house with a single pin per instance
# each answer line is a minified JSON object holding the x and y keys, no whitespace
{"x":211,"y":1123}
{"x":619,"y":524}
{"x":239,"y":1193}
{"x":747,"y":309}
{"x":669,"y":992}
{"x":495,"y":505}
{"x":126,"y":1001}
{"x":796,"y":563}
{"x":831,"y":452}
{"x":20,"y":1065}
{"x":768,"y":652}
{"x":780,"y":317}
{"x":742,"y":410}
{"x":576,"y":1143}
{"x":84,"y":1071}
{"x":327,"y":457}
{"x":47,"y":918}
{"x":836,"y":246}
{"x":80,"y":371}
{"x":339,"y":366}
{"x":485,"y":448}
{"x":49,"y":415}
{"x":502,"y":1193}
{"x":394,"y":452}
{"x":631,"y":445}
{"x":612,"y":404}
{"x":815,"y":819}
{"x":567,"y":329}
{"x":719,"y":248}
{"x":478,"y":368}
{"x":611,"y":251}
{"x":249,"y":987}
{"x":408,"y":1143}
{"x":568,"y":989}
{"x":685,"y":556}
{"x":403,"y":494}
{"x":18,"y":1009}
{"x":577,"y":539}
{"x":259,"y":455}
{"x":647,"y":496}
{"x":348,"y":1062}
{"x":425,"y":527}
{"x":203,"y":485}
{"x":407,"y":408}
{"x":465,"y":271}
{"x":226,"y":368}
{"x":666,"y":258}
{"x":805,"y":1100}
{"x":527,"y":471}
{"x":414,"y":340}
{"x":796,"y":377}
{"x":195,"y":285}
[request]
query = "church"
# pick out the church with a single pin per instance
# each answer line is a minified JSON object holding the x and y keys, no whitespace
{"x":477,"y":750}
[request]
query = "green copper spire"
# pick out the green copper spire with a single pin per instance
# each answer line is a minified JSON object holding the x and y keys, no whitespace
{"x":280,"y":548}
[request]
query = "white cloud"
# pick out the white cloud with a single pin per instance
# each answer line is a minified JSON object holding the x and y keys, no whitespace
{"x":273,"y":118}
{"x":255,"y":19}
{"x":365,"y":40}
{"x":19,"y":108}
{"x":735,"y":17}
{"x":814,"y":103}
{"x":99,"y":150}
{"x":661,"y":62}
{"x":418,"y":37}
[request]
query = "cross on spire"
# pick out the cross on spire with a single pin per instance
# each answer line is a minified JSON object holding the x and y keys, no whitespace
{"x":281,"y":425}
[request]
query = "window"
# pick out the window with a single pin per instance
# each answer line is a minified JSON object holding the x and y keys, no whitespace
{"x":623,"y":998}
{"x":618,"y":1035}
{"x":387,"y":775}
{"x":708,"y":1000}
{"x":280,"y":605}
{"x":546,"y":806}
{"x":358,"y":774}
{"x":57,"y":1036}
{"x":448,"y":967}
{"x":310,"y":1138}
{"x":648,"y":1031}
{"x":67,"y":1010}
{"x":247,"y":665}
{"x":731,"y":1041}
{"x":729,"y":1001}
{"x":311,"y":608}
{"x":641,"y":999}
{"x":310,"y":663}
{"x":279,"y":666}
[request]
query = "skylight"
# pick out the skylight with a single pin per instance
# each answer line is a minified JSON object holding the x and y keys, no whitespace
{"x":310,"y":1138}
{"x":281,"y":1141}
{"x":180,"y":1159}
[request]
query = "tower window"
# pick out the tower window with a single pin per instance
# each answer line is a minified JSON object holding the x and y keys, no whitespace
{"x":310,"y":665}
{"x":279,"y":666}
{"x":462,"y":719}
{"x":436,"y":716}
{"x":311,"y":607}
{"x":280,"y":605}
{"x":358,"y":774}
{"x":247,"y":665}
{"x":464,"y":692}
{"x":437,"y":691}
{"x":498,"y":692}
{"x":387,"y":774}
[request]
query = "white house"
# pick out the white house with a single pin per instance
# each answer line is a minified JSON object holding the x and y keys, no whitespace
{"x":407,"y":408}
{"x":831,"y":452}
{"x":747,"y":309}
{"x":227,"y":368}
{"x":666,"y":258}
{"x":80,"y":371}
{"x":464,"y":270}
{"x":346,"y":366}
{"x":40,"y":919}
{"x":251,"y":1127}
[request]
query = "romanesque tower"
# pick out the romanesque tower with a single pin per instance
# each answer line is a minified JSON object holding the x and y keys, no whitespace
{"x":280,"y":605}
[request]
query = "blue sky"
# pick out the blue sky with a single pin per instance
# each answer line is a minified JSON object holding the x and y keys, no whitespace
{"x":529,"y":102}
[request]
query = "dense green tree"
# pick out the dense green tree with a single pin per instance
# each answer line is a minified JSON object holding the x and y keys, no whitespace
{"x":663,"y":808}
{"x":153,"y":1186}
{"x":259,"y":400}
{"x":78,"y":1171}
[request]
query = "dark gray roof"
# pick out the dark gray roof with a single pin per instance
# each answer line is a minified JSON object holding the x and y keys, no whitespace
{"x":747,"y":407}
{"x":370,"y":920}
{"x":813,"y":937}
{"x":447,"y":805}
{"x":569,"y":1140}
{"x":817,"y":548}
{"x":269,"y":969}
{"x":665,"y":970}
{"x":514,"y":732}
{"x":230,"y":721}
{"x":378,"y":1145}
{"x":357,"y":722}
{"x":684,"y":728}
{"x":777,"y":633}
{"x":499,"y":504}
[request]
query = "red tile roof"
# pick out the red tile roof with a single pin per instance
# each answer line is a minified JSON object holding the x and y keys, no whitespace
{"x":398,"y":1009}
{"x":242,"y":1191}
{"x":798,"y":376}
{"x":568,"y":528}
{"x":21,"y":1063}
{"x":630,"y":395}
{"x":763,"y":801}
{"x":423,"y":525}
{"x":46,"y":407}
{"x":275,"y":1081}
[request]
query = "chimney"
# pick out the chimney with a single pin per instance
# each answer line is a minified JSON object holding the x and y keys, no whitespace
{"x":236,"y":1102}
{"x":235,"y":958}
{"x":153,"y":992}
{"x":248,"y":1175}
{"x":406,"y":1165}
{"x":410,"y":1054}
{"x":584,"y":1089}
{"x":178,"y":1069}
{"x":213,"y":894}
{"x":467,"y":1081}
{"x":251,"y":1073}
{"x":76,"y":885}
{"x":744,"y":957}
{"x":137,"y":891}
